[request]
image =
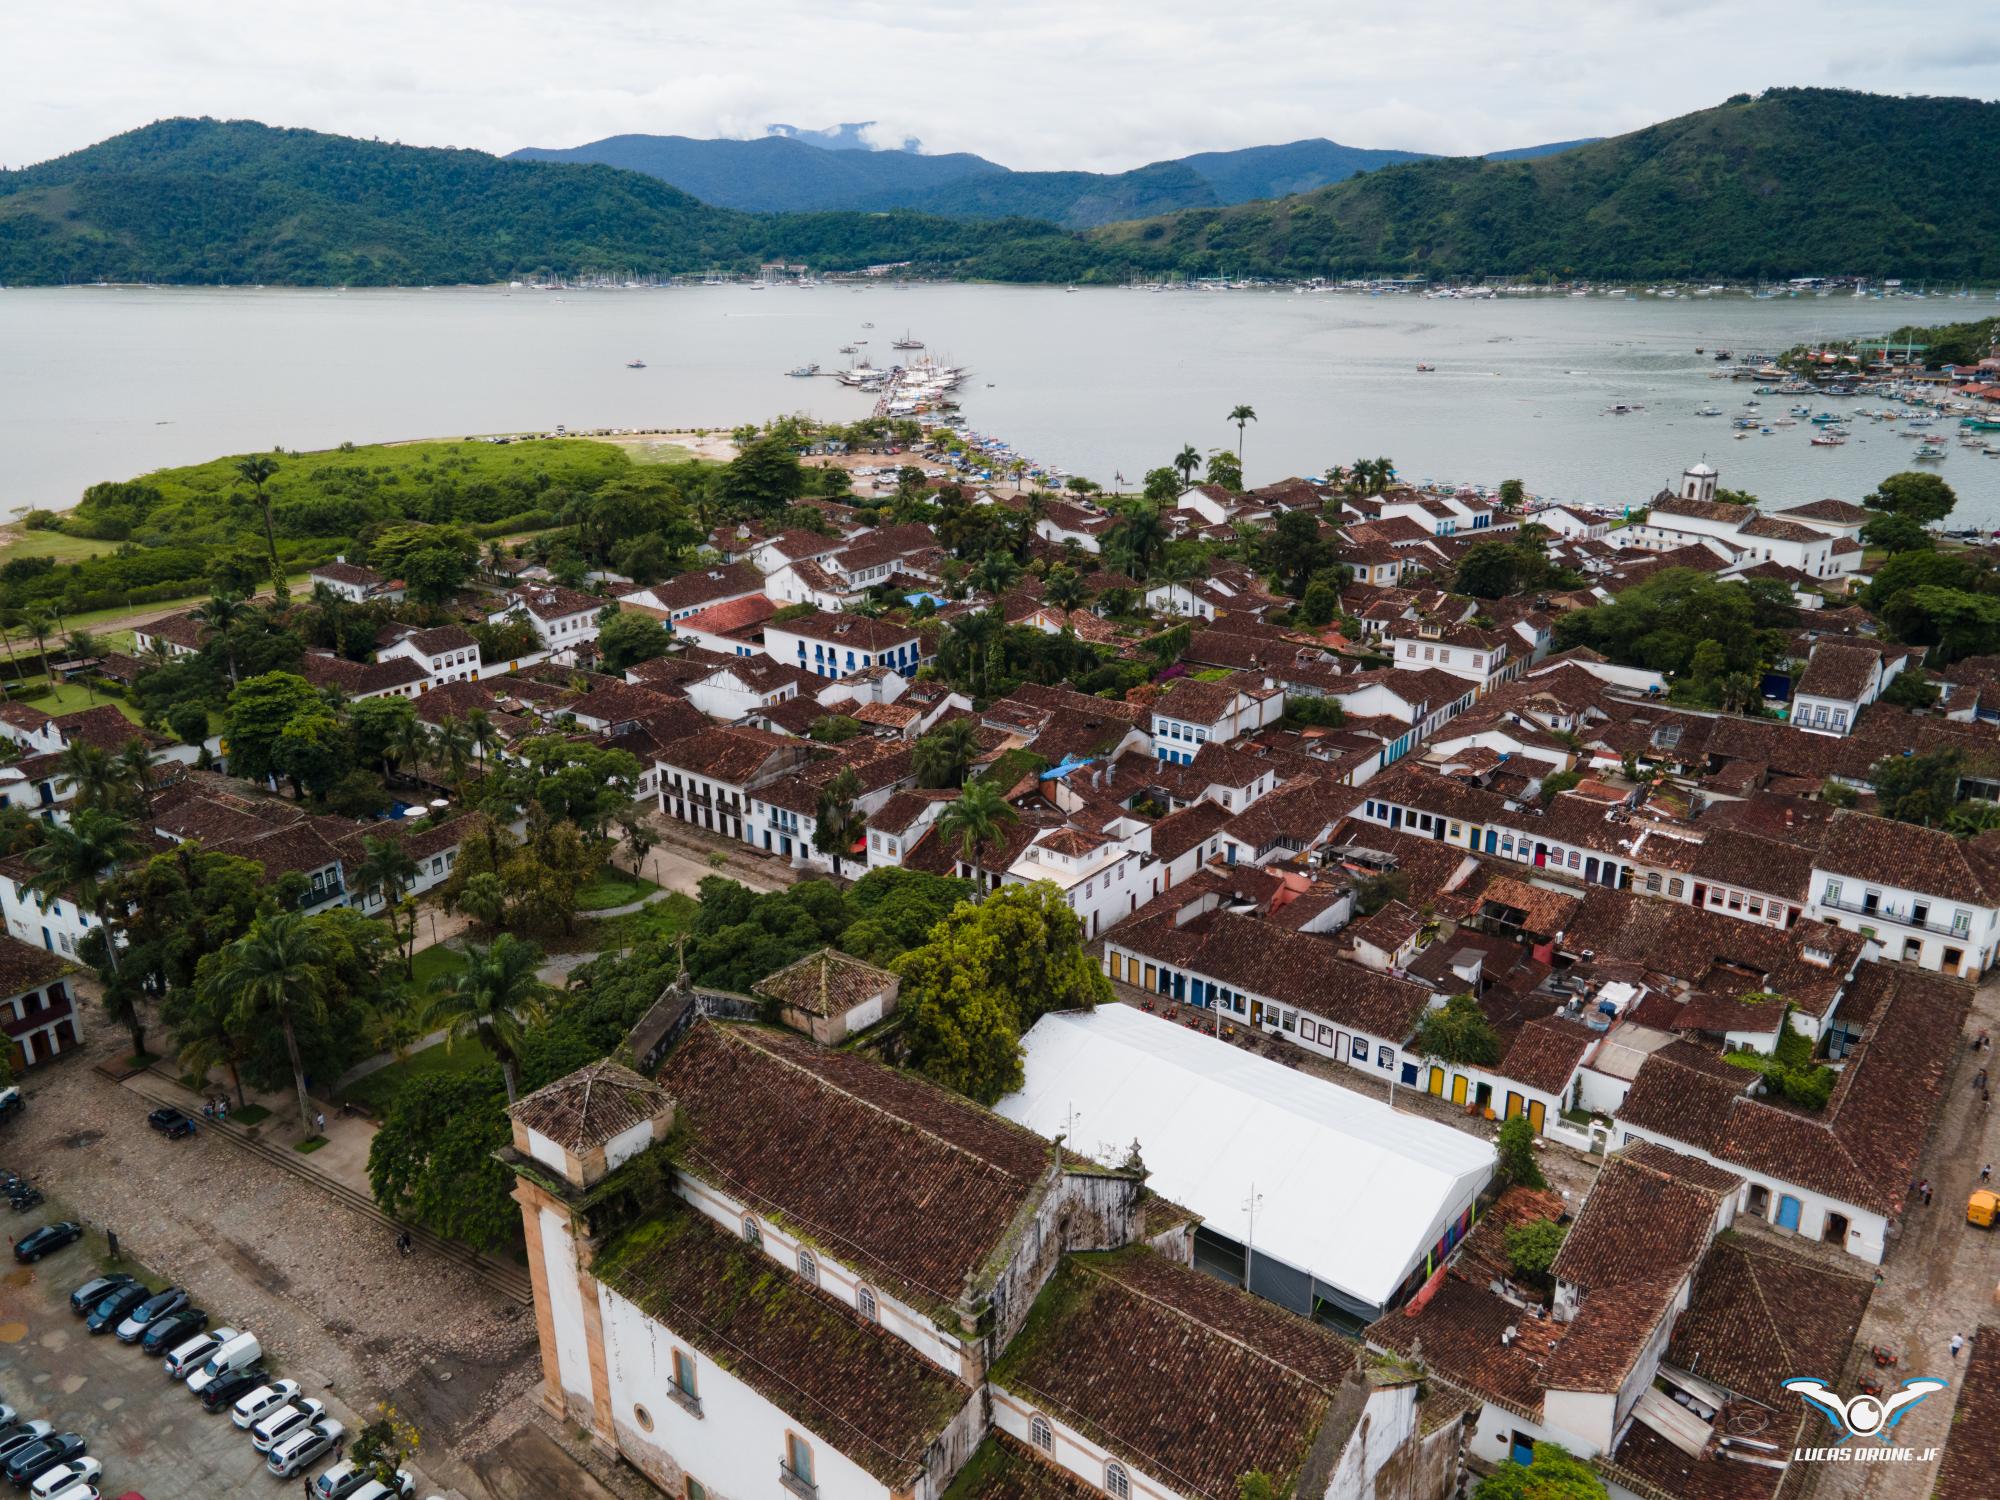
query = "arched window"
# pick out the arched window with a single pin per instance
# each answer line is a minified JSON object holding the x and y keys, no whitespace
{"x":864,"y":1302}
{"x":1117,"y":1482}
{"x":1041,"y":1434}
{"x":752,"y":1233}
{"x":808,"y":1267}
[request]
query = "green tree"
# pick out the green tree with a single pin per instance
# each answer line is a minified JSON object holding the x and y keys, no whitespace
{"x":1517,"y":1155}
{"x":1910,"y":688}
{"x":1554,"y":1474}
{"x":277,"y":972}
{"x":1241,"y":415}
{"x":77,"y":859}
{"x":432,"y":1162}
{"x":378,"y":726}
{"x":628,"y":638}
{"x":1893,"y":531}
{"x":1186,"y":462}
{"x":985,"y":976}
{"x":494,"y":998}
{"x":763,"y":477}
{"x":1486,"y":570}
{"x":1294,"y":550}
{"x":833,"y":729}
{"x":257,"y":471}
{"x":1458,"y":1032}
{"x":837,"y":821}
{"x":385,"y":872}
{"x":1921,"y":497}
{"x":1513,"y":493}
{"x":896,"y":911}
{"x":1224,"y":469}
{"x":944,"y":757}
{"x":1918,"y":788}
{"x":975,"y":818}
{"x":210,"y":1035}
{"x":224,"y":614}
{"x":260,"y":710}
{"x":1532,"y":1247}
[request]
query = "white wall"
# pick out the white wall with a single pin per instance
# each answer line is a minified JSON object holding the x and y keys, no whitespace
{"x":566,"y":1307}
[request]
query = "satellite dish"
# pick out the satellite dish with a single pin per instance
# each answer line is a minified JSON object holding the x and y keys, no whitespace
{"x":440,"y":803}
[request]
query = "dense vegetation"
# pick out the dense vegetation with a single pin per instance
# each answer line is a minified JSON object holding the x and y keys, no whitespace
{"x":233,"y":201}
{"x":1795,"y":182}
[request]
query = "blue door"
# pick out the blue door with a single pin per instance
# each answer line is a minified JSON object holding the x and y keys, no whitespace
{"x":1788,"y":1212}
{"x":1521,"y":1450}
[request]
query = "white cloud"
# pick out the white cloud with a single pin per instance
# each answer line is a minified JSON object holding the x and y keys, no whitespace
{"x":1103,"y":84}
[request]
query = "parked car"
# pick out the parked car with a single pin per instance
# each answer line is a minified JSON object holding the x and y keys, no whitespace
{"x":403,"y":1488}
{"x":299,"y":1452}
{"x":170,"y":1122}
{"x":63,"y":1475}
{"x":185,"y":1358}
{"x":26,"y":1465}
{"x":24,"y":1196}
{"x":36,"y":1243}
{"x":285,"y":1421}
{"x":8,"y":1416}
{"x":341,"y":1481}
{"x":12,"y":1102}
{"x":239,"y":1354}
{"x":256,"y":1404}
{"x":227,"y":1388}
{"x":111,"y":1311}
{"x":95,"y":1290}
{"x":173,"y":1329}
{"x":83,"y":1489}
{"x":18,"y":1435}
{"x":159,"y":1305}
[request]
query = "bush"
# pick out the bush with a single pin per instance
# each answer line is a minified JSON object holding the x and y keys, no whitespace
{"x":1518,"y":1166}
{"x":1532,"y":1247}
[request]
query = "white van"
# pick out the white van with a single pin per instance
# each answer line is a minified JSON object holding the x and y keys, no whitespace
{"x":185,"y":1357}
{"x":239,"y":1353}
{"x":83,"y":1489}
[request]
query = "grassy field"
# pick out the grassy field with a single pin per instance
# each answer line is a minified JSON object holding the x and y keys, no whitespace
{"x":613,"y":887}
{"x":658,"y":453}
{"x":668,"y":917}
{"x":378,"y":1090}
{"x":19,"y":543}
{"x":69,"y":697}
{"x":435,"y":962}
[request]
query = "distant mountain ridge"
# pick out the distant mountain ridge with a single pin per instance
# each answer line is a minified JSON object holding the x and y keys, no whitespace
{"x":795,"y":170}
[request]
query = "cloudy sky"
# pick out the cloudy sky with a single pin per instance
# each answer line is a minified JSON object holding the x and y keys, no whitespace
{"x":1098,"y":84}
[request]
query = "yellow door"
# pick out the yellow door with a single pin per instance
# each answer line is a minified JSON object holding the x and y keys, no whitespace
{"x":1149,"y":976}
{"x":1437,"y":1082}
{"x":1458,"y":1082}
{"x":1537,"y":1112}
{"x":1513,"y":1104}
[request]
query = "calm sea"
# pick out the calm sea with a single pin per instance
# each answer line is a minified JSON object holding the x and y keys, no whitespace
{"x":109,"y":383}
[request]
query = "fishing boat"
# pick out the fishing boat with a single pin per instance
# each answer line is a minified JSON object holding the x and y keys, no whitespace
{"x":1708,"y":411}
{"x":1929,"y":449}
{"x":635,"y":364}
{"x":804,"y":370}
{"x":847,"y":349}
{"x":1827,"y":439}
{"x":906,"y":342}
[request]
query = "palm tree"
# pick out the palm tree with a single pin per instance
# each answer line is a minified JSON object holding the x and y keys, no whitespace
{"x":837,"y":821}
{"x":482,"y":733}
{"x":495,"y":998}
{"x":1187,"y":461}
{"x":88,"y":770}
{"x":257,"y":471}
{"x":224,"y":614}
{"x":965,"y":649}
{"x":408,"y":744}
{"x":1240,"y":415}
{"x":1016,"y":467}
{"x":995,"y":572}
{"x":976,"y":817}
{"x":1063,"y":589}
{"x":38,"y":622}
{"x":386,"y":869}
{"x":277,"y":971}
{"x":77,"y":859}
{"x":133,"y":773}
{"x":496,"y":556}
{"x":1137,"y":539}
{"x":942,"y":757}
{"x":454,"y":751}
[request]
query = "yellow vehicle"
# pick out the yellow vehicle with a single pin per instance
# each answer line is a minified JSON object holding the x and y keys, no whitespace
{"x":1982,"y":1208}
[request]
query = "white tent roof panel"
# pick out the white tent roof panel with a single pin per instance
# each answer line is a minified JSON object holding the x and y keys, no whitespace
{"x":1350,"y":1191}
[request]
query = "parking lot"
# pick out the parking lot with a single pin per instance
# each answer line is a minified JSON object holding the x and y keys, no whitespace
{"x":147,"y":1431}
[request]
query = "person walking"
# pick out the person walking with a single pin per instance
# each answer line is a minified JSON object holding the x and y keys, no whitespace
{"x":1957,"y":1343}
{"x":319,"y":1124}
{"x":1986,"y":1172}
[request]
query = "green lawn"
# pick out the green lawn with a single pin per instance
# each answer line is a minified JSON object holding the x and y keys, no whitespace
{"x":68,"y":697}
{"x":378,"y":1090}
{"x":668,"y":917}
{"x":658,"y":453}
{"x":613,"y":887}
{"x":52,"y":544}
{"x":436,"y":961}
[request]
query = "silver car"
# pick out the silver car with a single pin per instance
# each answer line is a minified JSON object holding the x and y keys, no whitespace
{"x":294,"y":1454}
{"x":187,"y":1358}
{"x":260,"y":1401}
{"x":284,"y":1422}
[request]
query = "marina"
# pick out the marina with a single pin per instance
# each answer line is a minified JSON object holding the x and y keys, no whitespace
{"x":107,"y":383}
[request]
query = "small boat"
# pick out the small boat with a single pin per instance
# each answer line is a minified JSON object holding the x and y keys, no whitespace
{"x":1623,"y":409}
{"x":1708,"y":411}
{"x":906,"y":342}
{"x":635,"y":364}
{"x":847,"y":349}
{"x":1425,"y":369}
{"x":1929,"y":449}
{"x":1828,"y":439}
{"x":804,"y":370}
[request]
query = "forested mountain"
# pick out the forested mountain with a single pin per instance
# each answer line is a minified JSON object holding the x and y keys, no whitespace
{"x":824,"y":170}
{"x":234,"y":201}
{"x":1795,"y":182}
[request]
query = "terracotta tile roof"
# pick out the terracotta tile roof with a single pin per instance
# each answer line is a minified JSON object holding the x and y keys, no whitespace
{"x":347,"y":572}
{"x":1967,"y":1472}
{"x":1201,"y":702}
{"x":895,"y":1177}
{"x":858,"y":631}
{"x":826,"y":983}
{"x":1839,"y":670}
{"x":1543,"y":911}
{"x":1918,"y":859}
{"x":590,"y":1106}
{"x":1179,"y":832}
{"x":549,"y":601}
{"x":1685,"y":1093}
{"x":1648,"y":1464}
{"x":706,"y":586}
{"x":728,"y":755}
{"x":729,"y":616}
{"x":1229,"y":1383}
{"x":454,"y":699}
{"x":355,"y":677}
{"x":1643,"y":1217}
{"x":1004,"y":1469}
{"x":1706,"y":510}
{"x":440,"y":639}
{"x":183,"y":630}
{"x":1458,"y":1329}
{"x":1545,"y":1054}
{"x":878,"y":1401}
{"x":1772,"y":528}
{"x":1760,"y":1314}
{"x":104,"y":727}
{"x":24,"y":967}
{"x":1843,"y":511}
